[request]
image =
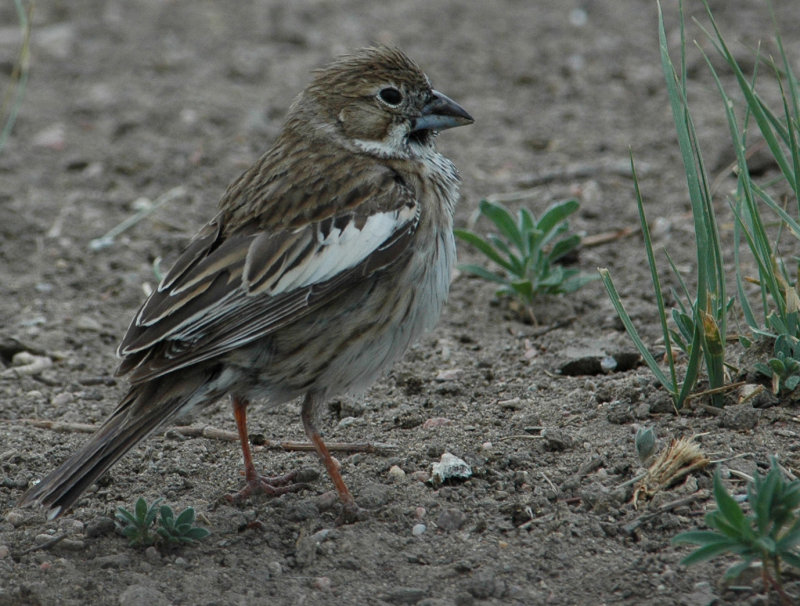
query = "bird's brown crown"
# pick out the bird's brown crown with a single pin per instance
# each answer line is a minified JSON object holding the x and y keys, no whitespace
{"x":367,"y":98}
{"x":358,"y":73}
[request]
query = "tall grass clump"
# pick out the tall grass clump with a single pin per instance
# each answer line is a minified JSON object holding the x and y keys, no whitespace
{"x":771,"y":310}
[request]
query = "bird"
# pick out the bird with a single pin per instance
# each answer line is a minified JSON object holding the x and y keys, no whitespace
{"x":325,"y":261}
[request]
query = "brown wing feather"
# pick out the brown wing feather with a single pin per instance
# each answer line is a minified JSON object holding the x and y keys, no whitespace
{"x":219,"y":294}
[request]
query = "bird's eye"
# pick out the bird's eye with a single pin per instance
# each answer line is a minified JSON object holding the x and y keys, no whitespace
{"x":391,"y":96}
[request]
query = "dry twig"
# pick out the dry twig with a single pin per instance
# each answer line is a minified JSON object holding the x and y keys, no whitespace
{"x":213,"y":433}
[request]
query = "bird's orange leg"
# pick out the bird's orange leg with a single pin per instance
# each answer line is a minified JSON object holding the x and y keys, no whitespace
{"x":272,"y":486}
{"x":350,"y":510}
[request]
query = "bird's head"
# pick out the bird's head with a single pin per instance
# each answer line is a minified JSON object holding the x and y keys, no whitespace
{"x":380,"y":102}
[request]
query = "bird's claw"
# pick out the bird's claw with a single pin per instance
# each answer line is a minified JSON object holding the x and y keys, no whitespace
{"x":271,"y":486}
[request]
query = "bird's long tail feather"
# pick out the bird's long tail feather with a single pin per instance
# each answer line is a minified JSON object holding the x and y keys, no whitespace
{"x":145,"y":408}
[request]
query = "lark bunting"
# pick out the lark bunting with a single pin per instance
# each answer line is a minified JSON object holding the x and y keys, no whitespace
{"x":327,"y":259}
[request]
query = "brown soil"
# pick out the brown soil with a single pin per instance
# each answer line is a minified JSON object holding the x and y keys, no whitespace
{"x":129,"y":99}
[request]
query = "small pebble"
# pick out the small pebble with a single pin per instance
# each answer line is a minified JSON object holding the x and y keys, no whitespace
{"x":322,"y":583}
{"x":450,"y":520}
{"x":419,"y":476}
{"x":396,"y":474}
{"x":88,"y":324}
{"x":73,"y":526}
{"x":512,"y":404}
{"x":436,"y":422}
{"x":346,"y":422}
{"x":114,"y":560}
{"x":72,"y":544}
{"x":15,"y":518}
{"x":419,"y":512}
{"x":275,"y":569}
{"x":99,"y":527}
{"x":142,"y":595}
{"x":327,"y":500}
{"x":450,"y":374}
{"x":740,"y":417}
{"x":51,"y":137}
{"x":4,"y":551}
{"x":450,"y":467}
{"x":62,"y":399}
{"x":418,"y":530}
{"x":151,"y":554}
{"x":405,"y":595}
{"x":25,"y":363}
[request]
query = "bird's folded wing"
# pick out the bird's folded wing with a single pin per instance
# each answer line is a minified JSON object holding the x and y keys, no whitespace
{"x":226,"y":291}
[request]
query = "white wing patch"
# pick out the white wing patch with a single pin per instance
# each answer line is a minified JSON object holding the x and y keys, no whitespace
{"x":343,"y":249}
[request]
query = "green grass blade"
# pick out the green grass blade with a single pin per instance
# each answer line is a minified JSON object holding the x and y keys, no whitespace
{"x":778,"y":209}
{"x":682,"y":121}
{"x":13,"y":99}
{"x":633,"y":334}
{"x":759,"y":110}
{"x":660,"y":306}
{"x":792,"y":113}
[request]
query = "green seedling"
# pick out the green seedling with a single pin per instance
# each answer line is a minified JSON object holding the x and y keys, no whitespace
{"x":784,"y":368}
{"x":770,"y":533}
{"x":139,"y":526}
{"x":527,"y":251}
{"x":180,"y":529}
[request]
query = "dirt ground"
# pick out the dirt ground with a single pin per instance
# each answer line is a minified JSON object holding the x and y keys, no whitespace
{"x":128,"y":99}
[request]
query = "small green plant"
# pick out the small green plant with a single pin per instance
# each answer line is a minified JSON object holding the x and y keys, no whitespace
{"x":527,"y":250}
{"x":645,"y":443}
{"x":138,"y":526}
{"x":784,"y":368}
{"x":769,"y":533}
{"x":14,"y":96}
{"x":180,"y":529}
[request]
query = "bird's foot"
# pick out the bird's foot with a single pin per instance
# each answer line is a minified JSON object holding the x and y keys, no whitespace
{"x":272,"y":486}
{"x":350,"y":514}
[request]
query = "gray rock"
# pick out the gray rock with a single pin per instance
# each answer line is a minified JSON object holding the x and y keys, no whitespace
{"x":99,"y":527}
{"x":557,"y":439}
{"x":405,"y":595}
{"x":739,"y":417}
{"x":116,"y":560}
{"x":450,"y":520}
{"x":142,"y":595}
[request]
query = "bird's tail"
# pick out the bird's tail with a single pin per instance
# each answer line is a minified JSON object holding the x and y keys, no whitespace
{"x":145,"y":408}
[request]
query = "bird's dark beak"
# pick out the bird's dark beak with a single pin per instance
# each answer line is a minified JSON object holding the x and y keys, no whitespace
{"x":441,"y":112}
